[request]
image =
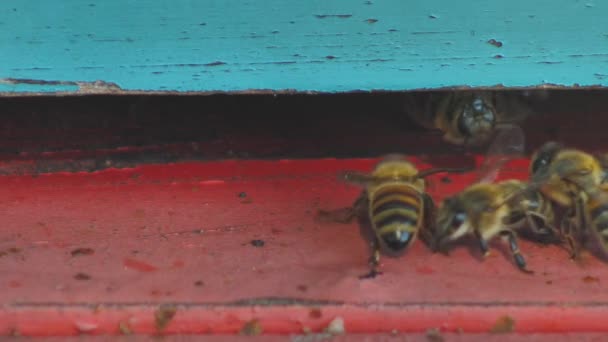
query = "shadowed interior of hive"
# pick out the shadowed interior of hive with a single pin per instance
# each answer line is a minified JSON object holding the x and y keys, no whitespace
{"x":46,"y":134}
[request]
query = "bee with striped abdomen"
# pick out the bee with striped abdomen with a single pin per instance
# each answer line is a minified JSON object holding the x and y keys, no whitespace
{"x":487,"y":210}
{"x":589,"y":218}
{"x":597,"y":215}
{"x":465,"y":117}
{"x":570,"y":178}
{"x":396,"y":205}
{"x":484,"y":210}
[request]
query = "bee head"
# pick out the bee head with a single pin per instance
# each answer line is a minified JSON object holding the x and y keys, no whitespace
{"x":451,"y":222}
{"x":476,"y":119}
{"x":544,"y":156}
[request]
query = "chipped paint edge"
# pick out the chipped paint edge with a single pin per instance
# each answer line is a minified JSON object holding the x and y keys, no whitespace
{"x":100,"y":87}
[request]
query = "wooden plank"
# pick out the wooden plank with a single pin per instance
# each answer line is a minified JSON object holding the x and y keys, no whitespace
{"x":72,"y":261}
{"x":313,"y":45}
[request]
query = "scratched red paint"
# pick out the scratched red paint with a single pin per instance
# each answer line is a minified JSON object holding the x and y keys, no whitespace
{"x":425,"y":270}
{"x":142,"y":228}
{"x":138,"y":265}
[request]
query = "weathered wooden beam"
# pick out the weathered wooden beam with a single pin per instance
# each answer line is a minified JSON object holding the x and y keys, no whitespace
{"x":312,"y":45}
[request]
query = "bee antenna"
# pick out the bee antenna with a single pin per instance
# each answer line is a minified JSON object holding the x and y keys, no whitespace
{"x":429,"y":172}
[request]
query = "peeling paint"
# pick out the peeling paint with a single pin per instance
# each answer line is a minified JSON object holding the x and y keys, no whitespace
{"x":398,"y":35}
{"x":94,"y":87}
{"x":341,"y":16}
{"x":216,"y":63}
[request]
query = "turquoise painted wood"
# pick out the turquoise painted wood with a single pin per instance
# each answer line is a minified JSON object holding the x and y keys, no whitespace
{"x":304,"y":45}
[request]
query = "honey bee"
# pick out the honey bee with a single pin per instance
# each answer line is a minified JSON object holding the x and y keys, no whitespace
{"x":571,"y":178}
{"x":487,"y":209}
{"x":467,"y":118}
{"x":396,"y":205}
{"x":596,"y":214}
{"x":561,"y":173}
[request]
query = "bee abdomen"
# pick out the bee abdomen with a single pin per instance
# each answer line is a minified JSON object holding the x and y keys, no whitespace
{"x":395,"y":212}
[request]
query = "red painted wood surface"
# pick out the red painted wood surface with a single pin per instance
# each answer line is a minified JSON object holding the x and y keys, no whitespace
{"x":87,"y":252}
{"x":388,"y":337}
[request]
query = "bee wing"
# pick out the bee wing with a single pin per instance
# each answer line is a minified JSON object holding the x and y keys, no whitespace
{"x":513,"y":107}
{"x":507,"y":145}
{"x":356,"y":177}
{"x":419,"y":107}
{"x":364,"y":179}
{"x":433,"y":171}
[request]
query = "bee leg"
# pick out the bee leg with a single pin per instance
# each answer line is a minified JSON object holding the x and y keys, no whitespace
{"x":541,"y":228}
{"x":427,"y":231}
{"x":374,"y":261}
{"x":346,"y":215}
{"x":576,"y":223}
{"x":483,"y":244}
{"x":574,"y":247}
{"x":582,"y":218}
{"x":520,"y":261}
{"x":566,"y":228}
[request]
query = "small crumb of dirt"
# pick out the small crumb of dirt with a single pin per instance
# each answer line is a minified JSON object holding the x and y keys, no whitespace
{"x":549,"y":282}
{"x":257,"y":243}
{"x":434,"y":335}
{"x":446,"y":180}
{"x":12,"y":250}
{"x":14,"y":332}
{"x":336,"y":326}
{"x":302,"y":288}
{"x":82,"y":276}
{"x":590,"y":279}
{"x":124,"y":328}
{"x":163,"y":316}
{"x":242,"y":194}
{"x":432,"y":16}
{"x":199,"y":283}
{"x":498,"y":56}
{"x":140,"y":213}
{"x":495,"y":42}
{"x":330,"y":57}
{"x":504,"y":324}
{"x":315,"y":313}
{"x":371,"y":20}
{"x":82,"y":251}
{"x":252,"y":328}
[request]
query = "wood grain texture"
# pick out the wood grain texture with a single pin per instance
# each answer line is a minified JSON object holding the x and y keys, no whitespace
{"x":312,"y":45}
